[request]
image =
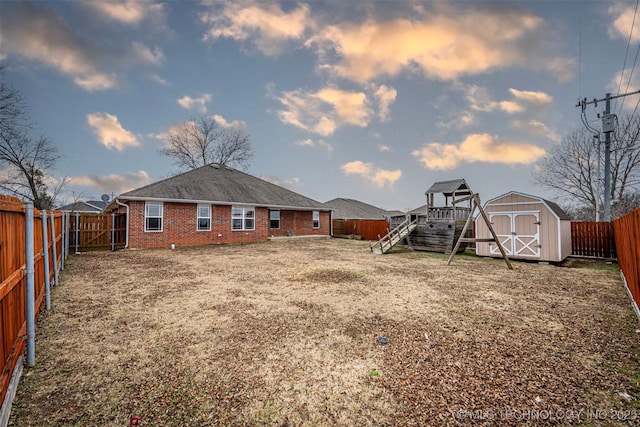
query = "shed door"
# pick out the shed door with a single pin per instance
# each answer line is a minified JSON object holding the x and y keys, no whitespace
{"x":518,"y":232}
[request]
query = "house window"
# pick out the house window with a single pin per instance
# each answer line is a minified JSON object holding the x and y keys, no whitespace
{"x":204,"y":217}
{"x":316,"y":219}
{"x":274,"y":219}
{"x":152,"y":216}
{"x":243,"y":218}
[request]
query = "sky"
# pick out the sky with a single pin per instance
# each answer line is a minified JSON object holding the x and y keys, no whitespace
{"x":370,"y":100}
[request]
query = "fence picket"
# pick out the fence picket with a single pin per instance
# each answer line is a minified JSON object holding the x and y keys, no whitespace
{"x":593,"y":239}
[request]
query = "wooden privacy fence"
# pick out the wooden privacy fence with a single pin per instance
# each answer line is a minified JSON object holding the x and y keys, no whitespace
{"x":627,"y":229}
{"x":16,"y":272}
{"x":369,"y":229}
{"x":97,"y":231}
{"x":593,"y":239}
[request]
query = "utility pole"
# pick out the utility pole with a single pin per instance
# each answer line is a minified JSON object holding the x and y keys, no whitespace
{"x":607,"y":128}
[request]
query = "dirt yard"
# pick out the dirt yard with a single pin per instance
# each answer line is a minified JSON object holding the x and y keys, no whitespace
{"x":285,"y":333}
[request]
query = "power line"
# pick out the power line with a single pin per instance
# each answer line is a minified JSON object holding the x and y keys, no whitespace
{"x":624,"y":64}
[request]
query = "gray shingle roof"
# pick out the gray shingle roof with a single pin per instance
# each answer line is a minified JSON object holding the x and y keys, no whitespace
{"x":354,"y":209}
{"x":557,"y":210}
{"x":458,"y":186}
{"x":215,"y":183}
{"x":90,"y":206}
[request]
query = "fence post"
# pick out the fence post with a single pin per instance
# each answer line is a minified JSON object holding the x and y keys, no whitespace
{"x":62,"y":227}
{"x":30,"y":291}
{"x":45,"y":245}
{"x":77,"y":232}
{"x":67,"y":234}
{"x":55,"y":250}
{"x":113,"y":231}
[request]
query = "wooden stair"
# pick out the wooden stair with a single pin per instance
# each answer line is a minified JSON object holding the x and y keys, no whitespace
{"x":393,"y":237}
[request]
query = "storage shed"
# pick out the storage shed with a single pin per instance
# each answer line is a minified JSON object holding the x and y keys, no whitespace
{"x":528,"y":227}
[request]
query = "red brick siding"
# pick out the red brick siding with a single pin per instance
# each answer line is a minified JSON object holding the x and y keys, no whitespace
{"x":179,"y":226}
{"x":300,"y":223}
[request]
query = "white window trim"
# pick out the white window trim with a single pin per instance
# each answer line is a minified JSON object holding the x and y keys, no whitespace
{"x":198,"y":217}
{"x":313,"y":215}
{"x":279,"y":219}
{"x":244,"y":217}
{"x":146,"y":230}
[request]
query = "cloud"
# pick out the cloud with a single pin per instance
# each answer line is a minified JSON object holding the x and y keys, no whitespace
{"x":322,"y":112}
{"x":110,"y":132}
{"x":128,"y":11}
{"x":116,"y":183}
{"x":524,"y":101}
{"x":291,"y":184}
{"x":477,"y":148}
{"x":36,"y":32}
{"x":198,"y":104}
{"x":386,"y":96}
{"x":143,"y":53}
{"x":320,"y":145}
{"x":459,"y":121}
{"x":620,"y":83}
{"x":264,"y":24}
{"x":623,"y":17}
{"x":444,"y":43}
{"x":532,"y":97}
{"x":379,"y":177}
{"x":383,"y":148}
{"x":226,"y":124}
{"x":156,"y":78}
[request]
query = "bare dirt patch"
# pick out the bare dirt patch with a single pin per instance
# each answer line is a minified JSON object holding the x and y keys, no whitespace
{"x":284,"y":333}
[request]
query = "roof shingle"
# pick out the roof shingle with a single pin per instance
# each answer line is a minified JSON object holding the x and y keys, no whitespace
{"x":222,"y":184}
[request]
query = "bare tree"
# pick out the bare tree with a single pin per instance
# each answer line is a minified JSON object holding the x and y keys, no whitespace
{"x":570,"y":168}
{"x":201,"y":141}
{"x":25,"y":160}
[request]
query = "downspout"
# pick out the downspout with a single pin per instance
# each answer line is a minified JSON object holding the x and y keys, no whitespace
{"x":126,"y":231}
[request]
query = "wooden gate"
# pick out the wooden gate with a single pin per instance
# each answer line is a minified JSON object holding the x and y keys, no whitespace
{"x":97,"y":231}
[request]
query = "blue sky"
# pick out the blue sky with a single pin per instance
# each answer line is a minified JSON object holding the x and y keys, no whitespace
{"x":372,"y":100}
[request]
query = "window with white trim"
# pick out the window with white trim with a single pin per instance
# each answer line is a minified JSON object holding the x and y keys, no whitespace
{"x":274,"y":219}
{"x":204,"y":217}
{"x":153,"y":216}
{"x":316,"y":219}
{"x":243,"y":218}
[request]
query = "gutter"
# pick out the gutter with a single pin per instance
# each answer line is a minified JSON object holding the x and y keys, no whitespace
{"x":126,"y":231}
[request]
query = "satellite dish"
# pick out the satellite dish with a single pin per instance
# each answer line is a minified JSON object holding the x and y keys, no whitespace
{"x":105,"y":198}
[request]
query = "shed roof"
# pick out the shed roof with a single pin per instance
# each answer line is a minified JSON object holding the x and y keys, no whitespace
{"x":221,"y":184}
{"x":553,"y":207}
{"x":89,"y":206}
{"x":355,"y":209}
{"x":457,"y":186}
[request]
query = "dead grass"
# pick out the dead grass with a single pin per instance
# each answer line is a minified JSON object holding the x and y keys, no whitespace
{"x":284,"y":333}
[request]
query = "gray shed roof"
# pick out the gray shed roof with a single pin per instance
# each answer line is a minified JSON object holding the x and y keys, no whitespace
{"x":90,"y":206}
{"x":354,"y":209}
{"x":220,"y":184}
{"x":458,"y":186}
{"x":557,"y":210}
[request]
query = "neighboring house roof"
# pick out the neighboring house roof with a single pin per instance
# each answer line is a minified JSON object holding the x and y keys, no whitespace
{"x":220,"y":184}
{"x":355,"y":209}
{"x":457,"y":186}
{"x":553,"y":207}
{"x":90,"y":206}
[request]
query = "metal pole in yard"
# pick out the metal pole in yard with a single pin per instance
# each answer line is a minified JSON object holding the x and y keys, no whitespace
{"x":77,"y":232}
{"x":55,"y":250}
{"x":30,"y":291}
{"x":45,"y":245}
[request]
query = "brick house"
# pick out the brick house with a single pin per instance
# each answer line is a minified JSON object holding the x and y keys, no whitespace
{"x":217,"y":204}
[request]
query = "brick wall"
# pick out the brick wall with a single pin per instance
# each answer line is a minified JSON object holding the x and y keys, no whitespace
{"x":179,"y":226}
